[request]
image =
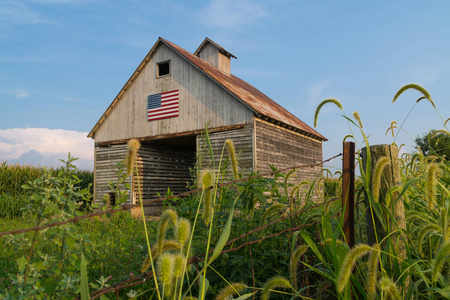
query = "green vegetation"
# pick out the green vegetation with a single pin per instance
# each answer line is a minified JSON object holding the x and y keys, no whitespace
{"x":14,"y":198}
{"x":262,"y":237}
{"x":434,"y":143}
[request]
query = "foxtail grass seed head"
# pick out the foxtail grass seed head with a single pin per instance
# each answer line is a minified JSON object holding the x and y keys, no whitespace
{"x":167,"y":245}
{"x":133,"y":147}
{"x":329,"y":241}
{"x":207,"y":181}
{"x":442,"y":256}
{"x":417,"y":160}
{"x":233,"y":158}
{"x":231,"y":290}
{"x":433,"y":173}
{"x":445,"y":123}
{"x":349,"y":263}
{"x":389,"y":288}
{"x":424,"y":232}
{"x":183,"y":231}
{"x":316,"y":114}
{"x":391,"y":128}
{"x":165,"y":268}
{"x":382,"y":162}
{"x":372,"y":272}
{"x":348,"y":136}
{"x":179,"y":264}
{"x":299,"y":252}
{"x":170,"y":245}
{"x":273,"y":283}
{"x":417,"y":88}
{"x":440,"y":131}
{"x":444,"y":223}
{"x":276,"y":207}
{"x":168,"y":217}
{"x":358,"y":119}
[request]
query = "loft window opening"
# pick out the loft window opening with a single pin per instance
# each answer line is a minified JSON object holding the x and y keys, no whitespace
{"x":163,"y":68}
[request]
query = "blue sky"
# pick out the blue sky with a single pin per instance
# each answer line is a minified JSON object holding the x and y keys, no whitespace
{"x":62,"y":62}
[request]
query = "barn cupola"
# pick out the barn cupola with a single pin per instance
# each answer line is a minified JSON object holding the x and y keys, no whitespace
{"x":215,"y":55}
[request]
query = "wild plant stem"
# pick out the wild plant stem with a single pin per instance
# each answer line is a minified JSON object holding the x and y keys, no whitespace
{"x":404,"y":120}
{"x":190,"y":242}
{"x":202,"y":296}
{"x":146,"y":234}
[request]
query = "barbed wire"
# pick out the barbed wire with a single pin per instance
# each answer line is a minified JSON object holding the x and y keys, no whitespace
{"x":130,"y":206}
{"x":136,"y":280}
{"x":148,"y":275}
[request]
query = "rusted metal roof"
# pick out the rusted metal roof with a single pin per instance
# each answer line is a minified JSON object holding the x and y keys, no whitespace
{"x":260,"y":104}
{"x":251,"y":96}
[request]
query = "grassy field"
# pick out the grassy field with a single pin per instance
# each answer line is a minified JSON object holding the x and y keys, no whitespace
{"x":261,"y":237}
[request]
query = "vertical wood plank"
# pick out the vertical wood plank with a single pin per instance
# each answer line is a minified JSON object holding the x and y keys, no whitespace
{"x":348,"y":192}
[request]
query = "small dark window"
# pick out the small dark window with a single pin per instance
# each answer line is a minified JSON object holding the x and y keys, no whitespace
{"x":163,"y":68}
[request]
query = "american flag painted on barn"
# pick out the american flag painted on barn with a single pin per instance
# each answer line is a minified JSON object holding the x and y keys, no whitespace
{"x":163,"y":105}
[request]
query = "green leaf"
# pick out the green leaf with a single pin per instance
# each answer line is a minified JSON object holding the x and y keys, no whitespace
{"x":224,"y":236}
{"x":246,"y":296}
{"x":36,"y":197}
{"x":445,"y":292}
{"x":84,"y":285}
{"x":311,"y":245}
{"x":40,"y":266}
{"x":21,"y":262}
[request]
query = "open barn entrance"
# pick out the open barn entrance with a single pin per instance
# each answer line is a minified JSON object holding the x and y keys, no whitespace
{"x":164,"y":164}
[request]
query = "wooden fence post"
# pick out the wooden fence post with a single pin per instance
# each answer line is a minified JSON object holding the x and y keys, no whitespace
{"x":348,"y":192}
{"x":390,"y":178}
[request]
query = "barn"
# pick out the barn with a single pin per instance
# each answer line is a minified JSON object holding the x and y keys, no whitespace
{"x":166,"y":103}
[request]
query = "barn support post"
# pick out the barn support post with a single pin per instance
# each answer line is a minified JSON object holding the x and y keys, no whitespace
{"x":348,"y":192}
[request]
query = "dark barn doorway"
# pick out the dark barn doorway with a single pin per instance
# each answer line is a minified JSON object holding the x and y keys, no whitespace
{"x":165,"y":164}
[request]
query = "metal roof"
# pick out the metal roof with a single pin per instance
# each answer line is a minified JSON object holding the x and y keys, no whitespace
{"x":260,"y":104}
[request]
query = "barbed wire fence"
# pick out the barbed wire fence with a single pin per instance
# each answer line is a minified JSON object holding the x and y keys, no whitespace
{"x":142,"y":278}
{"x":161,"y":199}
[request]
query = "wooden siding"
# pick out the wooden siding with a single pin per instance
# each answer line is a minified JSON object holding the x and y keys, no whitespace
{"x":243,"y":143}
{"x":211,"y":54}
{"x":106,"y":159}
{"x":161,"y":167}
{"x":283,"y":148}
{"x":201,"y":100}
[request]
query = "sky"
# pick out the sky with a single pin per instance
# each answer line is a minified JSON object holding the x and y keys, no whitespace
{"x":62,"y":62}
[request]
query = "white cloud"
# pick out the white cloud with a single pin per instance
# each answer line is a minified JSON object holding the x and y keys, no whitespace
{"x":314,"y":92}
{"x":19,"y":94}
{"x":231,"y":13}
{"x":16,"y":141}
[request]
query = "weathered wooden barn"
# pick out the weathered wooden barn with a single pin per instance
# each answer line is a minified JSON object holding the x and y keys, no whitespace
{"x":166,"y":103}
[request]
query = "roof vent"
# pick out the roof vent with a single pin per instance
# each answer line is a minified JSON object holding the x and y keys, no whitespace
{"x":215,"y":55}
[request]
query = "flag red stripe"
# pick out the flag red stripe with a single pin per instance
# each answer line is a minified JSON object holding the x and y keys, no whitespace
{"x":163,"y":113}
{"x":163,"y":117}
{"x":157,"y":110}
